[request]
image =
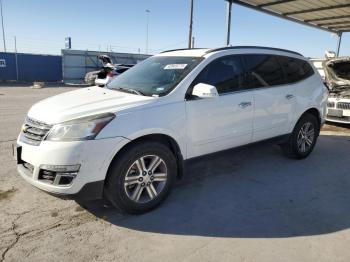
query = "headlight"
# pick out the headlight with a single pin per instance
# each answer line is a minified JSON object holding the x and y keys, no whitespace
{"x":85,"y":128}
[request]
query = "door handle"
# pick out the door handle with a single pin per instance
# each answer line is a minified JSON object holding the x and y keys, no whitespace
{"x":245,"y":104}
{"x":289,"y":96}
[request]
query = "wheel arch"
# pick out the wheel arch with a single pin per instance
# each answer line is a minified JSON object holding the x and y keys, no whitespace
{"x":165,"y":139}
{"x":313,"y":111}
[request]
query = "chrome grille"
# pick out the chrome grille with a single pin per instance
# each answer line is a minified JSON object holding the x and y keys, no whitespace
{"x":33,"y":131}
{"x":330,"y":104}
{"x":342,"y":105}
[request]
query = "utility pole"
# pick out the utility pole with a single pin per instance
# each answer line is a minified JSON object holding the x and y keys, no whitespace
{"x":339,"y":43}
{"x":16,"y":61}
{"x":2,"y":24}
{"x":191,"y":23}
{"x":228,"y":20}
{"x":147,"y":28}
{"x":192,"y":42}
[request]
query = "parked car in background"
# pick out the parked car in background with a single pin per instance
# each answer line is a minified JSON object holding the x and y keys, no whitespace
{"x":337,"y":72}
{"x":128,"y":142}
{"x":91,"y":77}
{"x":107,"y":73}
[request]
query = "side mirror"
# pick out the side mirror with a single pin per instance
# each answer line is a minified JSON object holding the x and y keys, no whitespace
{"x":205,"y":91}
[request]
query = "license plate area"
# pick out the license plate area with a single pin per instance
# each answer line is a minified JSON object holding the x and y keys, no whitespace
{"x":335,"y":112}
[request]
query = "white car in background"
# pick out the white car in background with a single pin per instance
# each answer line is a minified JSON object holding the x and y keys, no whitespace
{"x":337,"y":72}
{"x":128,"y":142}
{"x":108,"y":72}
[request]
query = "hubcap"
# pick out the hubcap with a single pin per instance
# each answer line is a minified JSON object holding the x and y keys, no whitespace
{"x":145,"y":179}
{"x":306,"y":137}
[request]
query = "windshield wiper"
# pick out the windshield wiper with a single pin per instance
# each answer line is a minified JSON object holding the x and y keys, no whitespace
{"x":129,"y":90}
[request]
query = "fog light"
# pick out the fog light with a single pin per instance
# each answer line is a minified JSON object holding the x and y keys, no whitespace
{"x":61,"y":168}
{"x":59,"y":175}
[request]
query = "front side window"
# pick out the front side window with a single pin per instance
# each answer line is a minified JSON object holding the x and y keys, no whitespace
{"x":295,"y":69}
{"x":156,"y":76}
{"x":263,"y":70}
{"x":225,"y":73}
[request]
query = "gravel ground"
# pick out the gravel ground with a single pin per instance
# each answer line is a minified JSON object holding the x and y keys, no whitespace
{"x":250,"y":204}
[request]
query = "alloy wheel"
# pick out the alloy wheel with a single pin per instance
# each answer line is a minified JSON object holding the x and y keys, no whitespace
{"x":145,"y":179}
{"x":306,"y":137}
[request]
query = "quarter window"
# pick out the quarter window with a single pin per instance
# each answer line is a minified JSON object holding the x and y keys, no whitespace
{"x":295,"y":69}
{"x":263,"y":70}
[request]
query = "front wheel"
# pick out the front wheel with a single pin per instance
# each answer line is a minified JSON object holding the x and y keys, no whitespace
{"x":303,"y":138}
{"x":141,"y":177}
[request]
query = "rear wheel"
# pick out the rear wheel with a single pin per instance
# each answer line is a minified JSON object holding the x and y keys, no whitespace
{"x":141,"y":177}
{"x":303,"y":138}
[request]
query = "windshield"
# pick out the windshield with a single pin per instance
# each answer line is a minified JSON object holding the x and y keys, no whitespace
{"x":156,"y":76}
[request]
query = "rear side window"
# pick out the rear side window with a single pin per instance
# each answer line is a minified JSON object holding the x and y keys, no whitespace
{"x":295,"y":69}
{"x":225,"y":73}
{"x":263,"y":70}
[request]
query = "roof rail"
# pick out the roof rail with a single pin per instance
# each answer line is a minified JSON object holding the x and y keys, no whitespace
{"x":182,"y":49}
{"x":251,"y":47}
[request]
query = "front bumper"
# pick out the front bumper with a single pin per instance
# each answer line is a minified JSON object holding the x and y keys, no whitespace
{"x":338,"y":115}
{"x":93,"y":156}
{"x":341,"y":120}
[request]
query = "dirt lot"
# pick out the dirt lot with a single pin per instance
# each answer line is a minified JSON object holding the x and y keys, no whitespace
{"x":250,"y":204}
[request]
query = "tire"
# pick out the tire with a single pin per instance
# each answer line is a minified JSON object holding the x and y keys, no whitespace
{"x":302,"y":140}
{"x":126,"y":177}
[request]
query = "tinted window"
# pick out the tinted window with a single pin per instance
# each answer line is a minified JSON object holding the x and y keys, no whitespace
{"x":295,"y":69}
{"x":225,"y":73}
{"x":263,"y":70}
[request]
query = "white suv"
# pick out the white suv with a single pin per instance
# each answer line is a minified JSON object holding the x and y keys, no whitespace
{"x":128,"y":141}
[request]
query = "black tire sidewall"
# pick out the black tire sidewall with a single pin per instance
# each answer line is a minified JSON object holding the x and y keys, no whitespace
{"x":294,"y":138}
{"x":114,"y":189}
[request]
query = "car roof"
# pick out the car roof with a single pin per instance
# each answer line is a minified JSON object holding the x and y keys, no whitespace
{"x":198,"y":52}
{"x":195,"y":52}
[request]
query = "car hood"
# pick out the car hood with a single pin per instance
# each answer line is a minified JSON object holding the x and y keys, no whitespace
{"x":84,"y":102}
{"x":338,"y":73}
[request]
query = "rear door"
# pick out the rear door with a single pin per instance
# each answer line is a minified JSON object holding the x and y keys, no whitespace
{"x":215,"y":124}
{"x":274,"y":99}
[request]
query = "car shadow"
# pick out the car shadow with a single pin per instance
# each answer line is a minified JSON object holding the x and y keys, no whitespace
{"x":253,"y":192}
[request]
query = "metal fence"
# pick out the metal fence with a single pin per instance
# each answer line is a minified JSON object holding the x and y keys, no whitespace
{"x":77,"y":63}
{"x":30,"y":67}
{"x":71,"y":67}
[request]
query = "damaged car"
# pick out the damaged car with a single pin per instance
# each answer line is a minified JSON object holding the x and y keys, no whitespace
{"x":107,"y":73}
{"x":337,"y":73}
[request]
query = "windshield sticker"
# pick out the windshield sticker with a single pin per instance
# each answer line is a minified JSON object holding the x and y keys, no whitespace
{"x":175,"y":66}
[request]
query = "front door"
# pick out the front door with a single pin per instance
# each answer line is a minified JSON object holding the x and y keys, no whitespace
{"x":219,"y":123}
